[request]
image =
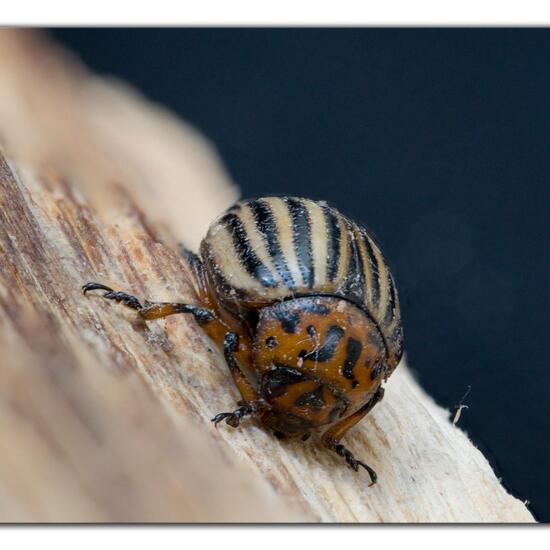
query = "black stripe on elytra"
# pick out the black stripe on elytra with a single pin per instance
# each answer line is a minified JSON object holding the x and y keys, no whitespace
{"x":245,"y":252}
{"x":313,"y":400}
{"x":326,"y":351}
{"x":395,"y":342}
{"x":374,"y":269}
{"x":275,"y":382}
{"x":217,"y":278}
{"x":354,"y":285}
{"x":353,"y":351}
{"x":265,"y":222}
{"x":333,"y":242}
{"x":378,"y":370}
{"x":301,"y":236}
{"x":390,"y":309}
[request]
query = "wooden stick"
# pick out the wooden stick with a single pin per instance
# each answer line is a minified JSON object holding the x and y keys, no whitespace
{"x":106,"y":418}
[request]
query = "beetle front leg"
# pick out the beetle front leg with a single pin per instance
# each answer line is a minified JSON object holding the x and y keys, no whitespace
{"x":152,"y":310}
{"x":252,"y":403}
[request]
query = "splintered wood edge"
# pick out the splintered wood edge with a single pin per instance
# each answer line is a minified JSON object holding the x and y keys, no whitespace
{"x":110,"y":189}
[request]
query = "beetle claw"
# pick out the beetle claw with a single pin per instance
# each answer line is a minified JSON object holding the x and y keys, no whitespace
{"x":224,"y":416}
{"x":95,"y":286}
{"x":372,"y":473}
{"x":110,"y":294}
{"x":233,"y":419}
{"x":354,"y":464}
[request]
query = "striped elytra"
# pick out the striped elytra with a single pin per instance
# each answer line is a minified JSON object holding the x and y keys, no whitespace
{"x":278,"y":248}
{"x":303,"y":304}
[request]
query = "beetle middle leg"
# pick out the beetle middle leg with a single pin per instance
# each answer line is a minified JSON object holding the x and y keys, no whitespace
{"x":331,"y":438}
{"x":251,"y":403}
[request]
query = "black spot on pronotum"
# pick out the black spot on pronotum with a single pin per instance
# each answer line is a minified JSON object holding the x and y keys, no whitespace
{"x":315,"y":308}
{"x":314,"y":400}
{"x":353,"y":351}
{"x":289,"y":320}
{"x":271,"y":342}
{"x":274,"y":383}
{"x":326,"y":351}
{"x":289,"y":316}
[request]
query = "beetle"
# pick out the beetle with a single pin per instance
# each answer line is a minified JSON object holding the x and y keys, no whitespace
{"x":305,"y":308}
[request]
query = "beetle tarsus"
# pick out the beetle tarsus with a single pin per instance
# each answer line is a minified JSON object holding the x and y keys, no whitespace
{"x":234,"y":418}
{"x":231,"y":342}
{"x":126,"y":299}
{"x":121,"y":297}
{"x":354,"y":463}
{"x":152,"y":310}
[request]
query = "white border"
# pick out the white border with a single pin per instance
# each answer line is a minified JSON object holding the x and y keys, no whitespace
{"x":270,"y":537}
{"x":276,"y":12}
{"x":282,"y":12}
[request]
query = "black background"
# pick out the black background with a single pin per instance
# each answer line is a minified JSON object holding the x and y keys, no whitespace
{"x":438,"y":141}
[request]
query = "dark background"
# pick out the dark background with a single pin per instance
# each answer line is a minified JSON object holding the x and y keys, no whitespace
{"x":438,"y":141}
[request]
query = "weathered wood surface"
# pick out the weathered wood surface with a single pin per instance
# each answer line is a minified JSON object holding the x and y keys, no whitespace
{"x":105,"y":418}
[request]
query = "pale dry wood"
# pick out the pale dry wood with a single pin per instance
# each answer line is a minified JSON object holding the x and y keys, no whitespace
{"x":105,"y":418}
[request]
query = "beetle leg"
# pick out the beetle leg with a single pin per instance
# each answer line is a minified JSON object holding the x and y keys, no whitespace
{"x":331,"y":438}
{"x":234,"y":418}
{"x":152,"y":310}
{"x":251,"y":402}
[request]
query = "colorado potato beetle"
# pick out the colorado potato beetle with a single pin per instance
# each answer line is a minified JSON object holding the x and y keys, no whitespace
{"x":305,"y":308}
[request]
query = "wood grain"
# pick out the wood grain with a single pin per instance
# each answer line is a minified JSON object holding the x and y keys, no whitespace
{"x":106,"y":418}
